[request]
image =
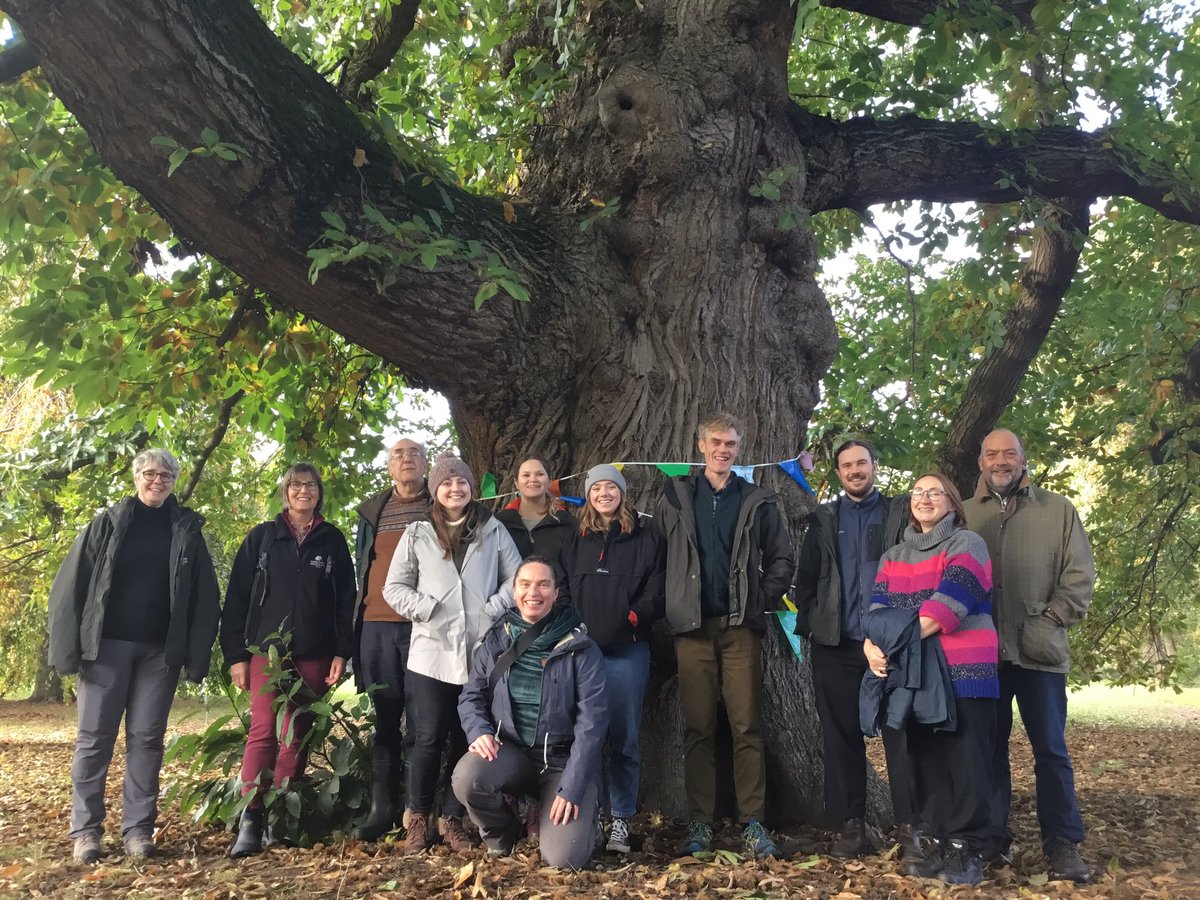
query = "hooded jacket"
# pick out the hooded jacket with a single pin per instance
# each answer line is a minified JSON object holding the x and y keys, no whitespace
{"x":1043,"y":571}
{"x":761,"y":564}
{"x":546,"y":537}
{"x":306,"y":589}
{"x":80,"y":591}
{"x":817,"y":591}
{"x":616,"y":581}
{"x":450,"y":610}
{"x":573,"y":713}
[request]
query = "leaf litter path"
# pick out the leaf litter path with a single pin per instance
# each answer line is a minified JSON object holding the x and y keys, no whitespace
{"x":1139,"y":789}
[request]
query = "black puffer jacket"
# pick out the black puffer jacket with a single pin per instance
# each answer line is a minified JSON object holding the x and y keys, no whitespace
{"x":608,"y":577}
{"x":547,"y":536}
{"x":307,"y":590}
{"x":80,"y":591}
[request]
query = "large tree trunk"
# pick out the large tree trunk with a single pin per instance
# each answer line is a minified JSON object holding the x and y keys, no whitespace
{"x":47,"y":683}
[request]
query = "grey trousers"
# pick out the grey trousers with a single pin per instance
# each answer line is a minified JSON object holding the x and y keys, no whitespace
{"x":132,"y":680}
{"x":481,"y":786}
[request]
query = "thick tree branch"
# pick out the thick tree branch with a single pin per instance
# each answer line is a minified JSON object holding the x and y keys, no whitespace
{"x":915,"y":12}
{"x":138,"y":69}
{"x":1047,"y":275}
{"x":865,"y":161}
{"x":17,"y":58}
{"x":393,"y":24}
{"x":224,"y":411}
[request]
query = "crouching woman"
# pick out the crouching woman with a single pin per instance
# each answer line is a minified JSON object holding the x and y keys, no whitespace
{"x":535,"y":715}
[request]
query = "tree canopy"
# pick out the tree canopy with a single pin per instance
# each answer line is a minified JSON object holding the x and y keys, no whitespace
{"x":589,"y":222}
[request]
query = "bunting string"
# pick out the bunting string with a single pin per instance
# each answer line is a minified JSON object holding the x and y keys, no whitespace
{"x":794,"y":468}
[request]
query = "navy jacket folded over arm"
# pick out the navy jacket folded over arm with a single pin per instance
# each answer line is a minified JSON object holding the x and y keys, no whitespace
{"x":917,"y":687}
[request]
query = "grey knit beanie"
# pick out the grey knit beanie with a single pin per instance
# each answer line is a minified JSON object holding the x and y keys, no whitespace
{"x":604,"y":472}
{"x":449,"y":466}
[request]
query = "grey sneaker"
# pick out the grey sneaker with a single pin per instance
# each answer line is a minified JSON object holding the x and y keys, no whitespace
{"x":87,"y":848}
{"x":758,"y":841}
{"x":618,"y":837}
{"x":698,"y":840}
{"x":139,"y":845}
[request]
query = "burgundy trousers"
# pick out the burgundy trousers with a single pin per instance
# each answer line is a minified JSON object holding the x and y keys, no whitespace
{"x":264,"y":748}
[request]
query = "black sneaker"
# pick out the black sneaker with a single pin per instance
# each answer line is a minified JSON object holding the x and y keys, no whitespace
{"x":932,"y":863}
{"x":962,"y":865}
{"x":1066,"y":863}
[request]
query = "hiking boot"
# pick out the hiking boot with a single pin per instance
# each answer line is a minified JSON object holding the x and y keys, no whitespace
{"x":698,"y":839}
{"x":931,"y":863}
{"x":618,"y":837}
{"x":962,"y":865}
{"x":909,"y":839}
{"x":454,"y":835}
{"x":416,"y":839}
{"x":1066,"y":863}
{"x":533,"y":821}
{"x":998,"y":857}
{"x":855,"y":840}
{"x":87,"y":848}
{"x":250,"y":834}
{"x":139,"y":845}
{"x":758,"y":841}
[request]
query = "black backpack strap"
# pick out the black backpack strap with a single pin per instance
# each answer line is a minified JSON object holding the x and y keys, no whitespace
{"x":505,"y":660}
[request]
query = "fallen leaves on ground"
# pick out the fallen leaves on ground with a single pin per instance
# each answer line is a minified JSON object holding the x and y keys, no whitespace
{"x":1139,"y":791}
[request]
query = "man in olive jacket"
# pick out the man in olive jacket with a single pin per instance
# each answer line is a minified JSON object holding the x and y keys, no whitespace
{"x":1043,"y":575}
{"x":838,"y":560}
{"x":728,"y":564}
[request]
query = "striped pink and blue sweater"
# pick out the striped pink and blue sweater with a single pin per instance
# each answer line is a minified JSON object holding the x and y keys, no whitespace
{"x":945,"y":574}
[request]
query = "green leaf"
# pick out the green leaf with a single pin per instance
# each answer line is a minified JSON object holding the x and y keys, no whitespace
{"x":161,"y":140}
{"x":486,"y":291}
{"x":209,"y":137}
{"x":176,"y":159}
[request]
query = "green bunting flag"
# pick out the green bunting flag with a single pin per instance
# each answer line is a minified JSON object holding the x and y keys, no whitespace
{"x":487,"y":487}
{"x":673,"y":469}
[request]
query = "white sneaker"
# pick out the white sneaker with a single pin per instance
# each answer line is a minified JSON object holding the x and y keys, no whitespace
{"x":618,"y":837}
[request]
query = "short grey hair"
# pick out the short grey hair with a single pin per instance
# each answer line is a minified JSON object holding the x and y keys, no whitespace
{"x":156,"y":456}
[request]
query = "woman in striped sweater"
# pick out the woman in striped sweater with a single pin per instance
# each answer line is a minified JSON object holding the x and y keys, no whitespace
{"x":942,"y":571}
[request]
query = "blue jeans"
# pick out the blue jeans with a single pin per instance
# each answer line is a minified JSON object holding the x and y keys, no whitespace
{"x":626,"y":671}
{"x":1042,"y":700}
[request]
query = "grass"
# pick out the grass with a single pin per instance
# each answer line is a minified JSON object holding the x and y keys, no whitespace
{"x":1099,"y":704}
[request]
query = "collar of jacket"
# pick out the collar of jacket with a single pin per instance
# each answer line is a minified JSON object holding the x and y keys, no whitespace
{"x":927,"y":540}
{"x":983,"y":492}
{"x":752,"y":493}
{"x":371,"y":508}
{"x":121,"y":513}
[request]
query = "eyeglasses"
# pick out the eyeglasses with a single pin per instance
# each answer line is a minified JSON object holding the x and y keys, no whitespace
{"x":302,"y":485}
{"x":931,"y":494}
{"x":407,"y":454}
{"x":151,"y":477}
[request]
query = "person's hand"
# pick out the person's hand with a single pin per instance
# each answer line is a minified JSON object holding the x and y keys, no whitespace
{"x":239,"y":674}
{"x":563,"y":811}
{"x":485,"y":747}
{"x":337,"y":669}
{"x":876,"y":660}
{"x":929,"y":626}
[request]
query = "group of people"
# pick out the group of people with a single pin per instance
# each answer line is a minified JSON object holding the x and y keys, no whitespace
{"x":516,"y":647}
{"x":995,"y":582}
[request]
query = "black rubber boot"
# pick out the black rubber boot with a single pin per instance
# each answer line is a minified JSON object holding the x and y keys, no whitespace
{"x":385,"y":783}
{"x":250,"y":834}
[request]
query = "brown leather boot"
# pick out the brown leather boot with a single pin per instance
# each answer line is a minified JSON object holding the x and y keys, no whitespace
{"x":909,"y":839}
{"x":455,"y":836}
{"x":854,"y":840}
{"x":416,"y":839}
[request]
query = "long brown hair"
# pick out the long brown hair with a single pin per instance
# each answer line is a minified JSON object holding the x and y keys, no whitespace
{"x":956,"y":504}
{"x":450,"y":538}
{"x":590,"y":520}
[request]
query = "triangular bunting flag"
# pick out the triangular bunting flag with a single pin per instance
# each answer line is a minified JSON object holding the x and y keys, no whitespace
{"x":571,"y":501}
{"x":673,"y":469}
{"x":746,"y":472}
{"x":793,"y":468}
{"x":556,"y":488}
{"x":487,"y":487}
{"x":620,"y":467}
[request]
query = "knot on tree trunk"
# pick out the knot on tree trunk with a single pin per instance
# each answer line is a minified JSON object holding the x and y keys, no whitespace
{"x":643,"y":118}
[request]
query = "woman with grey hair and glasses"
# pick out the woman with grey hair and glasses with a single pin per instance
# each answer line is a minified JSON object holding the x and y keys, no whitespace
{"x":292,"y":577}
{"x":135,"y":601}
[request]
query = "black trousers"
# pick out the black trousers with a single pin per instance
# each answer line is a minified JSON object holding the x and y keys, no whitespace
{"x":433,"y":711}
{"x":837,"y":673}
{"x":383,"y":660}
{"x":954,"y":773}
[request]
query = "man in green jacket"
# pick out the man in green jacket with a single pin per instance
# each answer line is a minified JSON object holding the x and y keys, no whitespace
{"x":1043,"y":575}
{"x":728,"y":563}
